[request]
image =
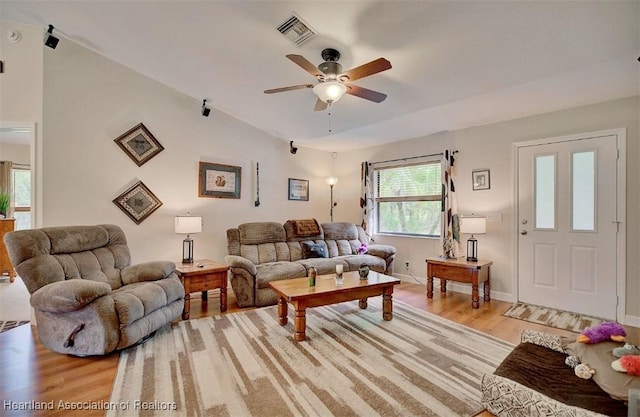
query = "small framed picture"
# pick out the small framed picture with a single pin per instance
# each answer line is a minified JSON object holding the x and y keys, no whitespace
{"x":480,"y":179}
{"x":139,"y":144}
{"x":298,"y":189}
{"x":138,"y":202}
{"x":219,"y":181}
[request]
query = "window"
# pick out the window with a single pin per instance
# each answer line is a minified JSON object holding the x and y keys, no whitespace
{"x":21,"y":185}
{"x":408,"y":199}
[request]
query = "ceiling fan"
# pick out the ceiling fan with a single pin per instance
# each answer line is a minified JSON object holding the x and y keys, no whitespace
{"x":332,"y":82}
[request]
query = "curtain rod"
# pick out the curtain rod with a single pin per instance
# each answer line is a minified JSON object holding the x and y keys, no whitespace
{"x":411,"y":157}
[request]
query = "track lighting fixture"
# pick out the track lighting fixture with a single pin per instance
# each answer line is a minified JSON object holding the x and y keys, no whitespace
{"x":205,"y":110}
{"x":50,"y":40}
{"x":292,"y":148}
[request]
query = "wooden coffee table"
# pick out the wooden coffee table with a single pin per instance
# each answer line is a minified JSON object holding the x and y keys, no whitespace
{"x":298,"y":292}
{"x":209,"y":276}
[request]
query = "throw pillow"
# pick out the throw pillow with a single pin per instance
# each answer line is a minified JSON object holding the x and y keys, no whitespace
{"x":599,"y":357}
{"x":313,"y":250}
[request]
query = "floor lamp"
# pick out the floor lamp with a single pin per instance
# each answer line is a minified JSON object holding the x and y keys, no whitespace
{"x":331,"y":181}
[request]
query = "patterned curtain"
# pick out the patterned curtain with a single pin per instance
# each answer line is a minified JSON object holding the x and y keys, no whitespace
{"x":366,"y":197}
{"x":450,"y":236}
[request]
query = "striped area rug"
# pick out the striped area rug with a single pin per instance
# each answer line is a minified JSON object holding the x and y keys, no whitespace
{"x":352,"y":364}
{"x":551,"y":317}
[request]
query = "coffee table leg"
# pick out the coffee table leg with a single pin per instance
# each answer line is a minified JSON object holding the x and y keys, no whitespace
{"x":387,"y":309}
{"x":429,"y":287}
{"x":282,"y":311}
{"x":363,"y":303}
{"x":300,"y":324}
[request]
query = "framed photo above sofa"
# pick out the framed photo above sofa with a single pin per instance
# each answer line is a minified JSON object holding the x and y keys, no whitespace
{"x":298,"y":189}
{"x":139,"y":144}
{"x":219,"y":181}
{"x":138,"y":202}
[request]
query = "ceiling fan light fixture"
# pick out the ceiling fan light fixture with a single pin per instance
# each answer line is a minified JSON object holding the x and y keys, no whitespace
{"x":330,"y":91}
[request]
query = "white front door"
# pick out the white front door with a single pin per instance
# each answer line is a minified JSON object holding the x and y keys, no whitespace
{"x":567,"y":218}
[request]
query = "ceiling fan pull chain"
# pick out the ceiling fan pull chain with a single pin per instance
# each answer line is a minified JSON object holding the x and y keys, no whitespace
{"x":329,"y":116}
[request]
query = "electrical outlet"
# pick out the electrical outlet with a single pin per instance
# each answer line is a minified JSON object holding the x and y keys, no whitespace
{"x":406,"y":265}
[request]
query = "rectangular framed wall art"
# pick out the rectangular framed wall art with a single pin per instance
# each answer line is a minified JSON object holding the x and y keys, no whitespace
{"x":481,"y":179}
{"x":139,"y":144}
{"x":138,"y":202}
{"x":219,"y":181}
{"x":298,"y":189}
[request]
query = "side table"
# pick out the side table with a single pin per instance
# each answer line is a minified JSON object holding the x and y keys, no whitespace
{"x":211,"y":275}
{"x":460,"y":270}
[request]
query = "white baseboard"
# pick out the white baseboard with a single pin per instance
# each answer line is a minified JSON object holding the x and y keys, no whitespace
{"x":455,"y":286}
{"x":631,"y":321}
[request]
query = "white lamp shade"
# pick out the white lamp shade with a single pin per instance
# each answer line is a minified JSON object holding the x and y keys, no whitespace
{"x":188,"y":224}
{"x":330,"y":91}
{"x":475,"y":225}
{"x":331,"y":180}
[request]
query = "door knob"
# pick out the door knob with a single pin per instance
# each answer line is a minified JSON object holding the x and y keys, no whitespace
{"x":524,"y":232}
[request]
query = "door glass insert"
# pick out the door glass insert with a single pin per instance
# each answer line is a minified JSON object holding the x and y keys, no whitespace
{"x":545,"y":192}
{"x":583,"y":172}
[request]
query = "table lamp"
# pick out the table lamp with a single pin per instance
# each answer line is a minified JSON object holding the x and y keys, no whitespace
{"x":186,"y":225}
{"x":473,"y":225}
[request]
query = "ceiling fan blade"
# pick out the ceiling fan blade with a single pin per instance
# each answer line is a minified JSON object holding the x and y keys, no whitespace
{"x":365,"y":70}
{"x":283,"y":89}
{"x":320,"y":105}
{"x":365,"y":93}
{"x":305,"y":64}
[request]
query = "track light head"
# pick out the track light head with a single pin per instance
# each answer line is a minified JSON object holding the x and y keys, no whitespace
{"x":292,"y":148}
{"x":205,"y":110}
{"x":50,"y":40}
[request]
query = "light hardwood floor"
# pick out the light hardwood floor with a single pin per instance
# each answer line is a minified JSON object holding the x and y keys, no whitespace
{"x":30,"y":372}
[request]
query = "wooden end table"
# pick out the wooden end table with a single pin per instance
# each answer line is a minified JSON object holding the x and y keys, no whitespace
{"x":211,"y":275}
{"x":298,"y":292}
{"x":460,"y":270}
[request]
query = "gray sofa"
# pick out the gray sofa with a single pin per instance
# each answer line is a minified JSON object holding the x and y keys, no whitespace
{"x":267,"y":251}
{"x":88,"y":299}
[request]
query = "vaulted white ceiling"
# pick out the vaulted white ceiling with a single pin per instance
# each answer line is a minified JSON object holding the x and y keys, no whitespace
{"x":455,"y":63}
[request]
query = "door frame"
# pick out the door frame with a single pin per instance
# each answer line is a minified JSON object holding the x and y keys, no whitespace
{"x":35,"y":162}
{"x":621,"y":192}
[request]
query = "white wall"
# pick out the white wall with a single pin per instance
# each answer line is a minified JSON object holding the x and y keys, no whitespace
{"x":89,"y":101}
{"x":491,"y":147}
{"x":21,"y":82}
{"x":18,"y":154}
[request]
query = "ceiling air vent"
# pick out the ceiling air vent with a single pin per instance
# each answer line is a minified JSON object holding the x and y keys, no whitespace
{"x":296,"y":30}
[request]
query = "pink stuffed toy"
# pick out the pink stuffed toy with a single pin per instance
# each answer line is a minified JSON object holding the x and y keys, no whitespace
{"x":629,"y":364}
{"x":608,"y":330}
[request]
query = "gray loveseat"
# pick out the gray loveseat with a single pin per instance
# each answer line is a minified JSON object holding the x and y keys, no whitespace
{"x":88,"y":299}
{"x":267,"y":251}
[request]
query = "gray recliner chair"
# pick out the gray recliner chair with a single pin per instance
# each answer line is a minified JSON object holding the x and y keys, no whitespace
{"x":88,"y":299}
